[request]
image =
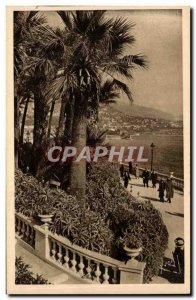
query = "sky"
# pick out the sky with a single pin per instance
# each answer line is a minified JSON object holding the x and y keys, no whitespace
{"x":158,"y":35}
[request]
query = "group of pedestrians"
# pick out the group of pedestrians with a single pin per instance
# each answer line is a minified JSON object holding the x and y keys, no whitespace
{"x":147,"y":175}
{"x":164,"y":186}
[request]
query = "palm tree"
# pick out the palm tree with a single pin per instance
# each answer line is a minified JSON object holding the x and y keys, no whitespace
{"x":40,"y":68}
{"x":97,"y":44}
{"x":30,"y":72}
{"x":24,"y":24}
{"x":89,"y":48}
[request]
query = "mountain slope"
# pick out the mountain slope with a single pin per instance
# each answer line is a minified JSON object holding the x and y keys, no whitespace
{"x":141,"y":111}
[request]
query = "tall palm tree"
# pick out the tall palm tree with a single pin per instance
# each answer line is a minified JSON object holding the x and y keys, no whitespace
{"x":24,"y":24}
{"x":89,"y":48}
{"x":97,"y":44}
{"x":40,"y":68}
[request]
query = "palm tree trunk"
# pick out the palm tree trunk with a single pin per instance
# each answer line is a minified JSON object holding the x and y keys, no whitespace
{"x":41,"y":110}
{"x":60,"y":130}
{"x":69,"y":111}
{"x":23,"y":120}
{"x":50,"y":119}
{"x":79,"y":135}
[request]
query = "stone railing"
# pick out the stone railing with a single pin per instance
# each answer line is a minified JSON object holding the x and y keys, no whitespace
{"x":25,"y":229}
{"x":84,"y":264}
{"x":178,"y":183}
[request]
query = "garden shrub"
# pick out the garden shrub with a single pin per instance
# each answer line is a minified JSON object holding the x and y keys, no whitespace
{"x":23,"y":275}
{"x":127,"y":217}
{"x":31,"y":197}
{"x":79,"y":224}
{"x":110,"y":218}
{"x":84,"y":228}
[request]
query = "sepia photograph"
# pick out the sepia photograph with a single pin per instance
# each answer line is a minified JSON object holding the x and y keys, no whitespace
{"x":98,"y":139}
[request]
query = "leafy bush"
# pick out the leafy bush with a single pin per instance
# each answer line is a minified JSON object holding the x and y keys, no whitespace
{"x":104,"y":189}
{"x":127,"y":217}
{"x":24,"y":276}
{"x":132,"y":242}
{"x":79,"y":224}
{"x":31,"y":198}
{"x":84,"y":228}
{"x":110,"y":219}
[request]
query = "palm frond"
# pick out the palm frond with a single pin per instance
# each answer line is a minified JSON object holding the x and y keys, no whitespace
{"x":140,"y":60}
{"x":131,"y":60}
{"x":57,"y":88}
{"x":123,"y":87}
{"x":109,"y":91}
{"x":120,"y":35}
{"x":67,"y":19}
{"x":116,"y":67}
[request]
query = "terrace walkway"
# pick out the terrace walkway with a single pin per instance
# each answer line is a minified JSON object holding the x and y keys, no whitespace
{"x":172,"y":213}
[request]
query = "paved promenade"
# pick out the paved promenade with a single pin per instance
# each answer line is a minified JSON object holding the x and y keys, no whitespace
{"x":173,"y":213}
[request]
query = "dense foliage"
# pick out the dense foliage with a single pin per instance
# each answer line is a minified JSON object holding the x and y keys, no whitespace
{"x":31,"y":197}
{"x":130,"y":220}
{"x":78,"y":223}
{"x":23,"y":275}
{"x":110,"y":219}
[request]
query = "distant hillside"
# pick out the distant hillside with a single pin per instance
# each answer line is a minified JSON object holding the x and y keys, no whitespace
{"x":141,"y":111}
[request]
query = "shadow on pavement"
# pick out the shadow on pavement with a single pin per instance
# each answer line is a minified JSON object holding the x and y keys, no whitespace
{"x":150,"y":198}
{"x":175,"y":214}
{"x":136,"y":184}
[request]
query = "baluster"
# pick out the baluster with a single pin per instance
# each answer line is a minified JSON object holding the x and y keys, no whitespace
{"x":73,"y":262}
{"x":32,"y":236}
{"x":97,"y":274}
{"x":81,"y":266}
{"x":66,"y":258}
{"x":88,"y":269}
{"x":27,"y":234}
{"x":19,"y":227}
{"x":114,"y":280}
{"x":53,"y":250}
{"x":106,"y":276}
{"x":59,"y":254}
{"x":23,"y":230}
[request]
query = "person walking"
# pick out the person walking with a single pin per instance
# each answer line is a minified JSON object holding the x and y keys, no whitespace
{"x":169,"y":190}
{"x":154,"y":178}
{"x":126,"y":178}
{"x":161,"y":190}
{"x":130,"y":168}
{"x":146,"y":177}
{"x":121,"y":170}
{"x":137,"y":172}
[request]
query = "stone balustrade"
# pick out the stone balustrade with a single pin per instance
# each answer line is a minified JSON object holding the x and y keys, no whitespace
{"x":87,"y":265}
{"x":24,"y":229}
